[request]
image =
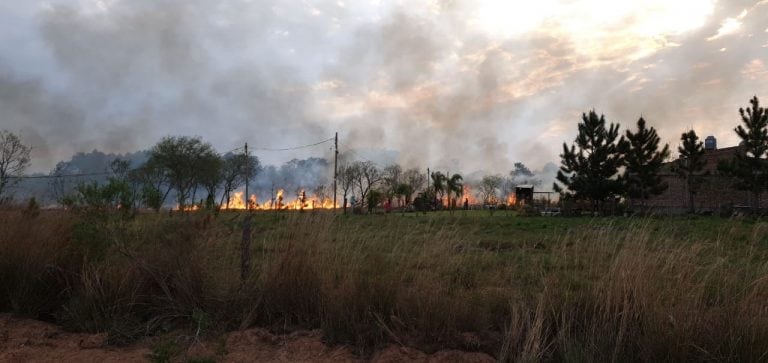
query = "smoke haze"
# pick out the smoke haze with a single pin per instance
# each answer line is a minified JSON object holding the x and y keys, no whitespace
{"x":460,"y":85}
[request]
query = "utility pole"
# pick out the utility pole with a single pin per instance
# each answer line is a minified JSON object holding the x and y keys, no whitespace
{"x":335,"y":167}
{"x":247,"y":172}
{"x":429,"y":186}
{"x":245,"y":245}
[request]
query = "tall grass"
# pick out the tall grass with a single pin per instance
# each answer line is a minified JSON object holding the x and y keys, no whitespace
{"x":635,"y":291}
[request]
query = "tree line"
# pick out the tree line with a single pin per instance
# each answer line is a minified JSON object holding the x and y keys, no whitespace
{"x":601,"y":165}
{"x":185,"y":165}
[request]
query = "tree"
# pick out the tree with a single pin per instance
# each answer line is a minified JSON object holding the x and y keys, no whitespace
{"x":416,"y":180}
{"x":210,"y":176}
{"x":14,"y":158}
{"x":392,"y":177}
{"x":404,"y":191}
{"x":150,"y":179}
{"x":521,"y":172}
{"x":180,"y":158}
{"x":115,"y":194}
{"x":690,"y":164}
{"x":120,"y":168}
{"x":373,"y":199}
{"x":643,"y":160}
{"x":367,"y":176}
{"x":488,"y":188}
{"x":151,"y":197}
{"x":590,"y":166}
{"x":235,"y":170}
{"x":439,"y":186}
{"x":455,"y":186}
{"x":347,"y":175}
{"x":750,"y":164}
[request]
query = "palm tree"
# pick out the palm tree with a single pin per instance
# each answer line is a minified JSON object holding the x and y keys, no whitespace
{"x":439,"y":184}
{"x":455,"y":186}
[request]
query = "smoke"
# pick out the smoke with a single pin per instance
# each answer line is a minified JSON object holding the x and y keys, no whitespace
{"x":434,"y":82}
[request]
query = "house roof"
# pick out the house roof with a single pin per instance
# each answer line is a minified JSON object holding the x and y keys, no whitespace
{"x":711,"y":159}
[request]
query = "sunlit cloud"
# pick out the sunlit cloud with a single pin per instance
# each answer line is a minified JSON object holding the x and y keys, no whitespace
{"x":600,"y":30}
{"x":512,"y":18}
{"x":729,"y":26}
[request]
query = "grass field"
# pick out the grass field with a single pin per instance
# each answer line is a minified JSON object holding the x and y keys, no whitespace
{"x":518,"y":288}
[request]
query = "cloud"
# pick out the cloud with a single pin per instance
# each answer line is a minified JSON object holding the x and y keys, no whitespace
{"x":729,"y":26}
{"x":465,"y":84}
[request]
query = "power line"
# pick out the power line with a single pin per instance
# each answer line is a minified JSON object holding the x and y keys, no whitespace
{"x":293,"y":147}
{"x":229,"y":151}
{"x":360,"y":156}
{"x":60,"y":176}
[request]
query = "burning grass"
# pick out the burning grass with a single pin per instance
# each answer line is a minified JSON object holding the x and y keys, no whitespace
{"x":517,"y":288}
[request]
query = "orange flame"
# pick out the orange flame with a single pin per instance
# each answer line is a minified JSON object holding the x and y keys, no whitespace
{"x":188,"y":208}
{"x":468,"y":196}
{"x":302,"y":201}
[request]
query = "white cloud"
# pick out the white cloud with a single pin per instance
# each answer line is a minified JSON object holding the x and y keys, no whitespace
{"x":729,"y":26}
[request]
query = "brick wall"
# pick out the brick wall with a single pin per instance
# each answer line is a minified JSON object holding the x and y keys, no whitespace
{"x":716,"y":191}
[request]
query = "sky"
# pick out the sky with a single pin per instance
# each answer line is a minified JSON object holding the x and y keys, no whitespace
{"x":460,"y":85}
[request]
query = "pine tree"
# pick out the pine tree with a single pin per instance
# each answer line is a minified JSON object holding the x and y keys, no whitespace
{"x":589,"y":167}
{"x":690,"y":164}
{"x":750,"y":164}
{"x":643,"y":160}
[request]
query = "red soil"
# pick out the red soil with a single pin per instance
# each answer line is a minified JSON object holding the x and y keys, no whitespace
{"x":23,"y":340}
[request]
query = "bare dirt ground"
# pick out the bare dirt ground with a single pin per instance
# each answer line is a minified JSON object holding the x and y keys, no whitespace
{"x":23,"y":340}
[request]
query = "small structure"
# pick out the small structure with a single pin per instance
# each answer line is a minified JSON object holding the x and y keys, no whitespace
{"x":524,"y":194}
{"x":710,"y":143}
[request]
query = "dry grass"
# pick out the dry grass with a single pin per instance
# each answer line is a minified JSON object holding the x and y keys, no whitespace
{"x":598,"y":291}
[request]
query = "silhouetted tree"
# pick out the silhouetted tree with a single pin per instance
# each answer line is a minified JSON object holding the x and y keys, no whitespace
{"x":392,"y":177}
{"x":643,"y":161}
{"x":210,"y":177}
{"x":404,"y":191}
{"x":367,"y":176}
{"x":590,"y":166}
{"x":372,"y":199}
{"x":750,"y":164}
{"x":150,"y":179}
{"x":416,"y":179}
{"x":347,"y":175}
{"x":439,"y":181}
{"x":690,"y":165}
{"x":455,"y":186}
{"x":521,"y":171}
{"x":120,"y":168}
{"x":14,"y":158}
{"x":180,"y":158}
{"x":489,"y":186}
{"x":235,"y":170}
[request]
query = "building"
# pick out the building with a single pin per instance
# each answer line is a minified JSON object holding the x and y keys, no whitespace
{"x":524,"y":194}
{"x":716,"y":193}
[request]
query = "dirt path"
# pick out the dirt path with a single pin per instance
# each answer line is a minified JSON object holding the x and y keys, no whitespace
{"x":23,"y":340}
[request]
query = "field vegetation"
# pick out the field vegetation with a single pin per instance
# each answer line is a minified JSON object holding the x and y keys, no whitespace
{"x":518,"y":288}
